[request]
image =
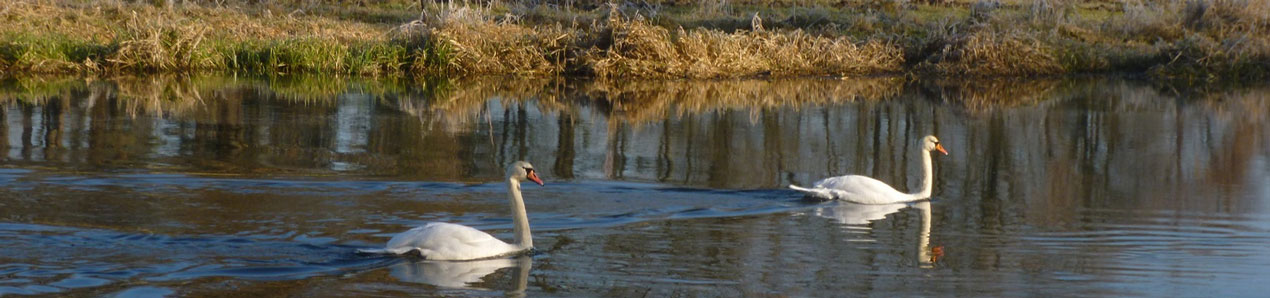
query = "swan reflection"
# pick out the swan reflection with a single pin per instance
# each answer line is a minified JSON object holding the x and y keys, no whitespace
{"x":462,"y":274}
{"x":847,"y":213}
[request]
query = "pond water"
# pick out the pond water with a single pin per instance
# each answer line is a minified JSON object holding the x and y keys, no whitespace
{"x":1099,"y":186}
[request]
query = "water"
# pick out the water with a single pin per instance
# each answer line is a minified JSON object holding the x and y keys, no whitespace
{"x":212,"y":185}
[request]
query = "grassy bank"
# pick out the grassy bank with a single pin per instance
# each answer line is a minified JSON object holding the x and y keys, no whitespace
{"x":1173,"y":39}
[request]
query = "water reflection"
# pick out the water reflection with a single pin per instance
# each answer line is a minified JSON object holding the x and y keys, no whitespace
{"x":1046,"y":142}
{"x":1095,"y":186}
{"x":463,"y":274}
{"x":848,"y":213}
{"x":860,"y":216}
{"x":926,"y":255}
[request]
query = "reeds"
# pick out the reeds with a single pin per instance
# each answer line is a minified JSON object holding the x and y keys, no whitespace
{"x":640,"y":49}
{"x":993,"y":54}
{"x":1189,"y":39}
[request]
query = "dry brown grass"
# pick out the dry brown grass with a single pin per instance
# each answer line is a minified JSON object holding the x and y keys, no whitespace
{"x":652,"y":39}
{"x":117,"y":36}
{"x":105,"y":20}
{"x":640,"y":49}
{"x":1202,"y":39}
{"x":986,"y":53}
{"x":477,"y":43}
{"x":631,"y":46}
{"x":150,"y":44}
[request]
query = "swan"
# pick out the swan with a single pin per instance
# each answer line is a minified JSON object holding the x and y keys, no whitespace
{"x":866,"y":190}
{"x":442,"y":241}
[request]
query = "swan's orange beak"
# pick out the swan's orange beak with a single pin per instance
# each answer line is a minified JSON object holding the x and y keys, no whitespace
{"x":533,"y":176}
{"x":940,"y":147}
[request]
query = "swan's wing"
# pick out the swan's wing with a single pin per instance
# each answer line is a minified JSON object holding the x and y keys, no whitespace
{"x":819,"y":193}
{"x":435,"y":233}
{"x":861,"y":189}
{"x":854,"y":182}
{"x":446,"y":241}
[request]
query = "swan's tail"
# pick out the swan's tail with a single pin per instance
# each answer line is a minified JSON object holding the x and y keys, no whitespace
{"x":373,"y":251}
{"x":386,"y":251}
{"x":819,"y":193}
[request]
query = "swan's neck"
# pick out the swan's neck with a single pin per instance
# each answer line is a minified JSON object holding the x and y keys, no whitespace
{"x":520,"y":220}
{"x":928,"y":177}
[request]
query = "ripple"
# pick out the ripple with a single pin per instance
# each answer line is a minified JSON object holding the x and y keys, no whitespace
{"x":145,"y":291}
{"x":81,"y":282}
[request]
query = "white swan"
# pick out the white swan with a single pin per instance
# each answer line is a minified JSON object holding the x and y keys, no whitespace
{"x":453,"y":242}
{"x":865,"y":190}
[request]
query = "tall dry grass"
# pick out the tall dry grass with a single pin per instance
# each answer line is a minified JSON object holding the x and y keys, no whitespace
{"x":623,"y":45}
{"x":154,"y":44}
{"x":472,"y":41}
{"x":1198,"y":39}
{"x":1191,"y":39}
{"x":125,"y":37}
{"x":987,"y":53}
{"x":641,"y":49}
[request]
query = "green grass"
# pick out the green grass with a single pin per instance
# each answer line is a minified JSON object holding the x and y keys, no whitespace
{"x":48,"y":52}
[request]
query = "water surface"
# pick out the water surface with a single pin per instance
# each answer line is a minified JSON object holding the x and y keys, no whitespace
{"x":212,"y":185}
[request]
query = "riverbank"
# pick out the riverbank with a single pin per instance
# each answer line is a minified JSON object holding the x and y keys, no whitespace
{"x":1189,"y":40}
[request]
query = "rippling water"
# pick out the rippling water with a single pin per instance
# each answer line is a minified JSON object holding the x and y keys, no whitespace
{"x":213,"y":185}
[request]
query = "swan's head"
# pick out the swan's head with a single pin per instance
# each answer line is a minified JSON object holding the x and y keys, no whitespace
{"x":931,"y":143}
{"x":522,"y":171}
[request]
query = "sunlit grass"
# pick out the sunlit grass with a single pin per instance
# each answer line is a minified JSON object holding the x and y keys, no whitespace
{"x":1190,"y":40}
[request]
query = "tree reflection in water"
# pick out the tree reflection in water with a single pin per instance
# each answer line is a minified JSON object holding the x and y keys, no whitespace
{"x":1048,"y":141}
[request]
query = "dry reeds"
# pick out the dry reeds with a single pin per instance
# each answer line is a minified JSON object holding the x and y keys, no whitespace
{"x":1202,"y":39}
{"x":643,"y":50}
{"x":475,"y":43}
{"x":996,"y":54}
{"x":154,"y":45}
{"x":1206,"y":39}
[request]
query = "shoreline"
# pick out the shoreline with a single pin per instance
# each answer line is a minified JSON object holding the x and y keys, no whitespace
{"x":1202,"y":41}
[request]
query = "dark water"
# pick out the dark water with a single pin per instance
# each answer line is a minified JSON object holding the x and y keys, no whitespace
{"x":190,"y":186}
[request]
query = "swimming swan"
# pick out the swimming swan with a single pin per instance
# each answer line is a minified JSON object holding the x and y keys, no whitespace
{"x":453,"y":242}
{"x":866,"y":190}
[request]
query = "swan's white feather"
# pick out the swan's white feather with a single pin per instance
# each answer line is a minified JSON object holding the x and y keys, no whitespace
{"x":447,"y":241}
{"x":855,"y":189}
{"x":819,"y":193}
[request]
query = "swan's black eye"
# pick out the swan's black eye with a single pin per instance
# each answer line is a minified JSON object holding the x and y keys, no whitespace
{"x":529,"y":170}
